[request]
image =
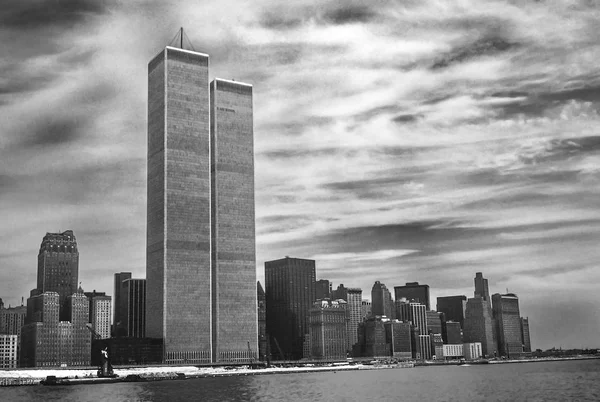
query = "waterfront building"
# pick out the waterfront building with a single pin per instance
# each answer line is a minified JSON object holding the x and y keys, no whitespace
{"x":381,"y":301}
{"x":365,"y":309}
{"x":372,"y":340}
{"x":413,"y":291}
{"x":423,"y":350}
{"x":437,"y":345}
{"x":398,"y":337}
{"x":323,"y":289}
{"x":354,"y":299}
{"x":290,"y":292}
{"x":415,"y":313}
{"x":472,"y":350}
{"x":120,"y":304}
{"x":58,"y":266}
{"x":262,"y":322}
{"x":8,"y":351}
{"x":453,"y":351}
{"x":525,"y":335}
{"x":434,"y":322}
{"x":479,"y":323}
{"x":451,"y":333}
{"x":506,"y":314}
{"x":453,"y":308}
{"x":328,"y":329}
{"x":201,"y":274}
{"x":100,"y":313}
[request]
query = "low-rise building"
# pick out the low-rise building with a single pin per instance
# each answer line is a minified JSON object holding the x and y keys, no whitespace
{"x":8,"y":351}
{"x":472,"y":350}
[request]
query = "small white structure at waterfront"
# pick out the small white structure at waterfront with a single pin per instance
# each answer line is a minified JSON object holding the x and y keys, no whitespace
{"x":8,"y":351}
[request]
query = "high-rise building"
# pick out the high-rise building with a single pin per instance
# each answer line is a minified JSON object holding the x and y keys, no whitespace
{"x":398,"y":337}
{"x":11,"y":320}
{"x":58,"y":265}
{"x":341,"y":292}
{"x":479,"y":323}
{"x":415,"y":313}
{"x":201,"y":297}
{"x":481,"y":287}
{"x":372,"y":339}
{"x":120,"y":302}
{"x":525,"y":335}
{"x":290,"y":292}
{"x":452,"y":333}
{"x":81,"y":338}
{"x":328,"y":329}
{"x":365,"y":309}
{"x":99,"y":313}
{"x":262,"y":322}
{"x":412,"y":291}
{"x":381,"y":301}
{"x":323,"y":289}
{"x":506,"y":313}
{"x":135,"y":317}
{"x":437,"y":345}
{"x":453,"y":308}
{"x":434,"y":322}
{"x":8,"y":351}
{"x":354,"y":299}
{"x":233,"y":272}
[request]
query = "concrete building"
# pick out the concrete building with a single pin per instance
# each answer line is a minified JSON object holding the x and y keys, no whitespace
{"x":381,"y":301}
{"x":481,"y":287}
{"x":525,"y":335}
{"x":437,"y":345}
{"x":434,"y":322}
{"x":423,"y":347}
{"x":263,"y":340}
{"x":506,"y":314}
{"x":201,"y":274}
{"x":453,"y":308}
{"x":412,"y":291}
{"x":120,"y":305}
{"x":8,"y":351}
{"x":354,"y":299}
{"x":451,"y":333}
{"x":415,"y":313}
{"x":453,"y":351}
{"x":12,"y":320}
{"x":100,"y":309}
{"x":398,"y":337}
{"x":328,"y":329}
{"x":365,"y":309}
{"x":372,"y":340}
{"x":341,"y":292}
{"x":78,"y":313}
{"x":323,"y":289}
{"x":58,"y":266}
{"x":290,"y":293}
{"x":472,"y":351}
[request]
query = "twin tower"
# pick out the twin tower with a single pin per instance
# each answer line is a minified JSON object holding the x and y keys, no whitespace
{"x":200,"y":256}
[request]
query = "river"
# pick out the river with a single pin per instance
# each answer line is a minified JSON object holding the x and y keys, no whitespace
{"x":577,"y":380}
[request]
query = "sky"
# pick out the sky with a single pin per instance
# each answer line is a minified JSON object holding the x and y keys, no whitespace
{"x":396,"y":141}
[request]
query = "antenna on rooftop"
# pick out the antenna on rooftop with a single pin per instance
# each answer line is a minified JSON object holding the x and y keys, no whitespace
{"x":178,"y":39}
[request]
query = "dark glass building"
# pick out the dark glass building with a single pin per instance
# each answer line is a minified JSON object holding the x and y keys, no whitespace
{"x":453,"y":308}
{"x":323,"y":289}
{"x":262,"y":322}
{"x":290,"y":293}
{"x":479,"y":322}
{"x":120,"y":305}
{"x":525,"y":335}
{"x":381,"y":301}
{"x":135,"y":317}
{"x":506,"y":313}
{"x":413,"y":291}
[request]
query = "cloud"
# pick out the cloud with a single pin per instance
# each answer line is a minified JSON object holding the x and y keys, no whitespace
{"x":40,"y":13}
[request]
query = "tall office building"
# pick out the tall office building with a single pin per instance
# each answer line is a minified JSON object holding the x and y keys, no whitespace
{"x":233,"y":273}
{"x":11,"y":320}
{"x":201,"y":298}
{"x":135,"y":316}
{"x":100,"y":309}
{"x":479,"y":322}
{"x":525,"y":335}
{"x":413,"y":291}
{"x":373,"y":341}
{"x":120,"y":303}
{"x":58,"y":265}
{"x":414,"y":312}
{"x":398,"y":336}
{"x":365,"y":309}
{"x":381,"y":301}
{"x":323,"y":289}
{"x":328,"y":329}
{"x":290,"y":293}
{"x":341,"y":292}
{"x":434,"y":322}
{"x":452,"y":333}
{"x":506,"y":313}
{"x":354,"y":299}
{"x":453,"y":308}
{"x":80,"y":336}
{"x":262,"y":322}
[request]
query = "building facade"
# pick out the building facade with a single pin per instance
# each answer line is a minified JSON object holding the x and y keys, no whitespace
{"x":453,"y":308}
{"x":328,"y":329}
{"x":290,"y":293}
{"x":381,"y":301}
{"x":135,"y":317}
{"x":507,"y":316}
{"x":434,"y":322}
{"x":12,"y":320}
{"x":8,"y":351}
{"x":472,"y":351}
{"x":452,"y":333}
{"x":372,"y":339}
{"x":201,"y":297}
{"x":415,"y":313}
{"x":479,"y":326}
{"x":354,"y":299}
{"x":58,"y":265}
{"x":120,"y":305}
{"x":412,"y":291}
{"x":263,"y":340}
{"x":398,"y":337}
{"x":323,"y":289}
{"x":525,"y":335}
{"x":100,"y":313}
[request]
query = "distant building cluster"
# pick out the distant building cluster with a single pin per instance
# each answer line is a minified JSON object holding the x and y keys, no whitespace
{"x":200,"y":301}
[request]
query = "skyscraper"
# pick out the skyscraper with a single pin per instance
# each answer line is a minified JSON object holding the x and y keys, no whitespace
{"x":381,"y":300}
{"x":413,"y":291}
{"x":100,"y":309}
{"x":354,"y":299}
{"x":58,"y":265}
{"x":233,"y":272}
{"x":290,"y":293}
{"x":323,"y":289}
{"x":453,"y":307}
{"x":201,"y":297}
{"x":525,"y":335}
{"x":120,"y":303}
{"x":262,"y":322}
{"x":135,"y":313}
{"x":328,"y":329}
{"x":506,"y":313}
{"x":479,"y":323}
{"x":481,"y":287}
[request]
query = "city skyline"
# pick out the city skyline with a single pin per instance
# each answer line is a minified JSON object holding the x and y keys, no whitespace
{"x":461,"y":142}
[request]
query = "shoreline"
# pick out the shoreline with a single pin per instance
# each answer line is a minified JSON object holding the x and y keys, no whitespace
{"x":75,"y":376}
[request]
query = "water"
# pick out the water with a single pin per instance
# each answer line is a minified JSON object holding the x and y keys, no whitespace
{"x":547,"y":381}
